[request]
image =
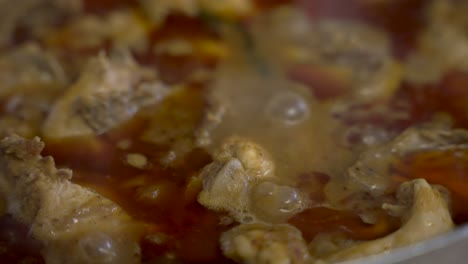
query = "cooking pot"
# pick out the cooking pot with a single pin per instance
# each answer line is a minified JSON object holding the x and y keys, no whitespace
{"x":448,"y":248}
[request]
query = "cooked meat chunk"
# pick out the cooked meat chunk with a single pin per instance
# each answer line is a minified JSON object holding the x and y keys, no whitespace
{"x":29,"y":67}
{"x":225,"y":187}
{"x":241,"y":181}
{"x":370,"y":172}
{"x":24,"y":114}
{"x":75,"y":224}
{"x":226,"y":181}
{"x":264,"y":244}
{"x":424,"y":213}
{"x":110,"y":91}
{"x":36,"y":15}
{"x":254,"y":159}
{"x":30,"y":79}
{"x":159,"y":9}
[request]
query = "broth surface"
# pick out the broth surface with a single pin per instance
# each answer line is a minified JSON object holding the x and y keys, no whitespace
{"x":162,"y":194}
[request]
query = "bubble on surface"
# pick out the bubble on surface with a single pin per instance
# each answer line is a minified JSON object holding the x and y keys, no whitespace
{"x":287,"y":107}
{"x":99,"y":248}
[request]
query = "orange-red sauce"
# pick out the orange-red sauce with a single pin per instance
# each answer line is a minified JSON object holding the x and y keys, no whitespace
{"x":448,"y":168}
{"x":16,"y":246}
{"x":192,"y":230}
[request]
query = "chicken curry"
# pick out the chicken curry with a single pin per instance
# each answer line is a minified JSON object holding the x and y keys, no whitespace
{"x":237,"y":131}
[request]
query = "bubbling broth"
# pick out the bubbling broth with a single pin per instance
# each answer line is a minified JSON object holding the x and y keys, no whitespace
{"x":295,"y":130}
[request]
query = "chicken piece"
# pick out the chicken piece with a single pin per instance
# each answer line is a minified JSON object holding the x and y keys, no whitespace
{"x":36,"y":15}
{"x":370,"y":171}
{"x":264,"y":244}
{"x":241,"y":181}
{"x":25,"y":113}
{"x":29,"y":67}
{"x":109,"y":92}
{"x":226,"y":188}
{"x":30,"y":79}
{"x":87,"y":228}
{"x":254,"y":159}
{"x":226,"y":181}
{"x":424,"y":213}
{"x":159,"y":9}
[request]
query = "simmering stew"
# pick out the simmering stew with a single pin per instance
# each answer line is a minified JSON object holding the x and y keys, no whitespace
{"x":236,"y":131}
